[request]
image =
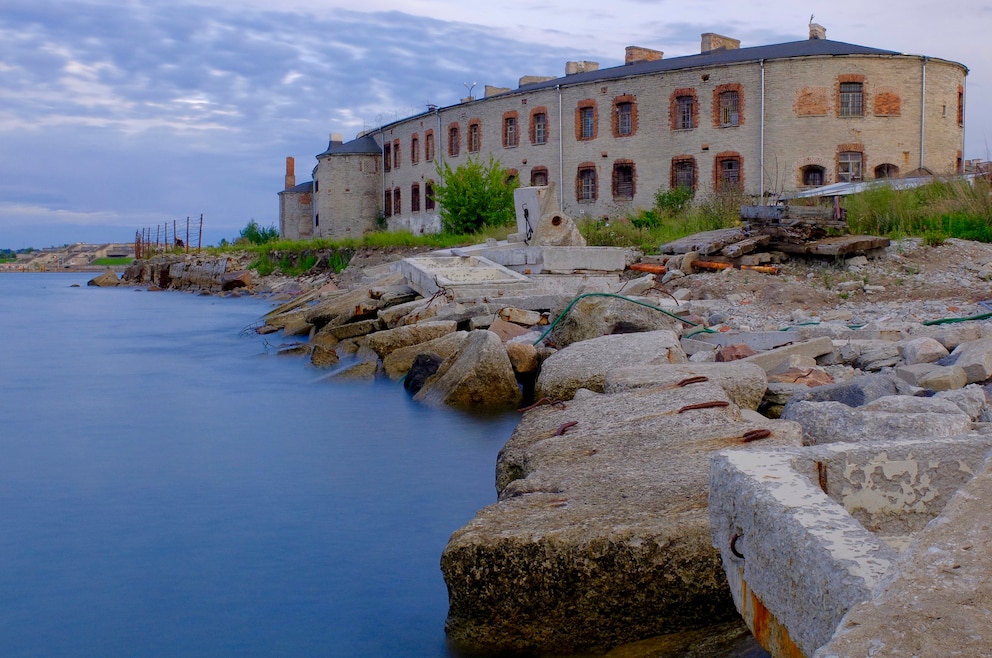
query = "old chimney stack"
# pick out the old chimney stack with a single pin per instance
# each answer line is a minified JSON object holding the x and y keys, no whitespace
{"x":817,"y":31}
{"x":290,"y":173}
{"x":711,"y":42}
{"x":571,"y":68}
{"x":637,"y":54}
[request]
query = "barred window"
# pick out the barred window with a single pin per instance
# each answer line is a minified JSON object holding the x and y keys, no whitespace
{"x":587,"y":188}
{"x":587,"y":118}
{"x":625,"y":119}
{"x":814,"y":175}
{"x":510,"y":132}
{"x":851,"y":99}
{"x":684,"y":173}
{"x":540,"y":128}
{"x":623,"y":181}
{"x":729,"y":113}
{"x":685,"y":106}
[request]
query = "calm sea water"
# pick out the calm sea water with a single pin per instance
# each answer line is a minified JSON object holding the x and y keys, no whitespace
{"x":169,"y":487}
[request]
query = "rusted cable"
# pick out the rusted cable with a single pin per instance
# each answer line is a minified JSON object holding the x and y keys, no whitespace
{"x":754,"y":435}
{"x":704,"y":405}
{"x":543,"y":401}
{"x":564,"y":427}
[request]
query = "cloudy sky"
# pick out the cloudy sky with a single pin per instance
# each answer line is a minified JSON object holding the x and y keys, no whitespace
{"x":121,"y":114}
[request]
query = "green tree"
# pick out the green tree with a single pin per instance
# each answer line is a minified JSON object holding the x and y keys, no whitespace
{"x":475,"y":195}
{"x":256,"y":234}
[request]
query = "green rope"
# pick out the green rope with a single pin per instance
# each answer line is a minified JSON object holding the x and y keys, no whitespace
{"x":616,"y":296}
{"x":983,"y":316}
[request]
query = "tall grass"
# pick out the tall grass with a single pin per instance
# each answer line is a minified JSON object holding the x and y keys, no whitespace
{"x":666,"y":221}
{"x":935,"y":212}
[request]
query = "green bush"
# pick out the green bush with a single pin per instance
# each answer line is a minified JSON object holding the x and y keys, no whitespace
{"x":256,"y":234}
{"x":475,"y":195}
{"x":673,"y":200}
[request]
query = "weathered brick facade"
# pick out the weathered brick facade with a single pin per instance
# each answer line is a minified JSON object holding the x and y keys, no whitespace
{"x":799,"y":107}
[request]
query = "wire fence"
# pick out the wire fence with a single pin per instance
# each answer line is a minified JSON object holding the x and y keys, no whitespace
{"x":174,"y":237}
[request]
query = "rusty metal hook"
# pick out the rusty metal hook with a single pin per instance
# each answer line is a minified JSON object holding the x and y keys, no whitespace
{"x":733,"y":546}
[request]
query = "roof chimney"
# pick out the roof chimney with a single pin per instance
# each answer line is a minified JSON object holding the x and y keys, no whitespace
{"x":817,"y":31}
{"x":531,"y":79}
{"x":711,"y":42}
{"x":571,"y":68}
{"x":337,"y":138}
{"x":290,"y":173}
{"x":638,"y":54}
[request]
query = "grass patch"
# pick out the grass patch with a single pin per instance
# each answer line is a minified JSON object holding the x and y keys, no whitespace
{"x":111,"y":262}
{"x":935,"y":212}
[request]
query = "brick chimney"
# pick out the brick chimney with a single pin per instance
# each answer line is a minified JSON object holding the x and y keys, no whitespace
{"x":711,"y":42}
{"x":637,"y":54}
{"x":571,"y":68}
{"x":290,"y":173}
{"x":817,"y":31}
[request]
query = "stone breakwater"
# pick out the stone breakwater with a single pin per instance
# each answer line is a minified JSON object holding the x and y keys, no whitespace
{"x":824,"y":483}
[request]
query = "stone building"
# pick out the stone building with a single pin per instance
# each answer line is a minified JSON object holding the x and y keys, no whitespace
{"x":766,"y":120}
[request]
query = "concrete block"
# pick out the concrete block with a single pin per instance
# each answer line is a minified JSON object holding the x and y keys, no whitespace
{"x":975,"y":357}
{"x":571,"y":259}
{"x":771,"y":359}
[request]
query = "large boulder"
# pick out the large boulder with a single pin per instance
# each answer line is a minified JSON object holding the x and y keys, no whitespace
{"x":975,"y":357}
{"x":477,"y":377}
{"x":601,"y":535}
{"x":595,"y":316}
{"x":399,"y":361}
{"x":585,"y":364}
{"x":386,"y":342}
{"x":106,"y":280}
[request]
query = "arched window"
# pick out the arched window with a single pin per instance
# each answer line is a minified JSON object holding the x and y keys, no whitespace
{"x":887,"y":170}
{"x":814,"y":175}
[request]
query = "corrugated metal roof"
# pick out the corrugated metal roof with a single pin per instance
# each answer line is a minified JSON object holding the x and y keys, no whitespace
{"x":843,"y":189}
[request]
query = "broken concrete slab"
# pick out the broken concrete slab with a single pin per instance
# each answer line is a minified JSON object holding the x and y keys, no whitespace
{"x":938,"y":601}
{"x":773,"y":358}
{"x":897,"y":416}
{"x":830,"y":512}
{"x":462,"y":277}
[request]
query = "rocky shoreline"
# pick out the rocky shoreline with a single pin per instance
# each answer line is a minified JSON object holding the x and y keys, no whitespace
{"x":622,"y":506}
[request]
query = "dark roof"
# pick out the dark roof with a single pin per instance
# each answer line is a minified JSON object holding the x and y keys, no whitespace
{"x":299,"y":189}
{"x":364,"y":144}
{"x":807,"y":48}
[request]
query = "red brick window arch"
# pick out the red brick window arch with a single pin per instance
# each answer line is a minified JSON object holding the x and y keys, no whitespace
{"x":474,"y":140}
{"x":511,"y":129}
{"x":685,"y":173}
{"x":624,"y":115}
{"x":624,"y":180}
{"x":586,"y":120}
{"x":728,"y":172}
{"x":539,"y":176}
{"x":539,"y":126}
{"x":586,"y":183}
{"x":683,"y":109}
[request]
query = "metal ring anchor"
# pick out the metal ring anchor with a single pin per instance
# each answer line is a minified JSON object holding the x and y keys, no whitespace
{"x":733,"y":546}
